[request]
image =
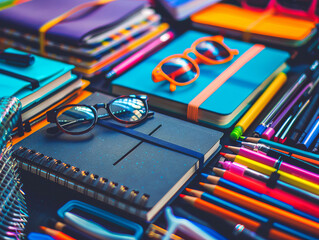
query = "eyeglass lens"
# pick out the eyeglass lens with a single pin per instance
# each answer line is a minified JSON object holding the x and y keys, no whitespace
{"x":179,"y":69}
{"x":212,"y":50}
{"x":258,"y":3}
{"x":76,"y":119}
{"x":296,"y":4}
{"x":128,"y":109}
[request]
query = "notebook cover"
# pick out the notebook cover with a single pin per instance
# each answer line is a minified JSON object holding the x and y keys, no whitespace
{"x":222,"y":102}
{"x":26,"y":17}
{"x":43,"y":70}
{"x":232,"y":17}
{"x":144,"y":167}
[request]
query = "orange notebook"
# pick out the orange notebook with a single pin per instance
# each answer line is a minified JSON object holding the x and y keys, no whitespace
{"x":249,"y":25}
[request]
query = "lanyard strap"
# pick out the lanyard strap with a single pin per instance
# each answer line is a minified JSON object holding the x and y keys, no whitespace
{"x":154,"y":140}
{"x":45,"y":27}
{"x":192,"y":108}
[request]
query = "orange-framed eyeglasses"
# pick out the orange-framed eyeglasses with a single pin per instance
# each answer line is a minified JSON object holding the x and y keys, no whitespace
{"x":182,"y":70}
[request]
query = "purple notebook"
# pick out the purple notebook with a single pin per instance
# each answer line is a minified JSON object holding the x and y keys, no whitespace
{"x":30,"y":16}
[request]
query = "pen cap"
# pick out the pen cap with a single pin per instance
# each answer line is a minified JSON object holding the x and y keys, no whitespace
{"x":236,"y":133}
{"x":22,"y":60}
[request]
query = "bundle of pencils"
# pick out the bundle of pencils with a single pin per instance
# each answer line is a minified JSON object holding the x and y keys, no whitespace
{"x":273,"y":198}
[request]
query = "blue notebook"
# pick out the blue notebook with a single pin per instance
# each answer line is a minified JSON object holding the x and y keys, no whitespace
{"x":226,"y":104}
{"x":121,"y":170}
{"x":50,"y":74}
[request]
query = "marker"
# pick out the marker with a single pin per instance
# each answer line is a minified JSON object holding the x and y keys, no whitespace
{"x":283,"y":176}
{"x":21,"y":60}
{"x":273,"y":162}
{"x":282,"y":147}
{"x":244,"y":171}
{"x":261,"y":188}
{"x":292,"y":159}
{"x":277,"y":108}
{"x":140,"y":55}
{"x":57,"y":235}
{"x":234,"y":217}
{"x":235,"y":208}
{"x":267,"y":210}
{"x":258,"y":106}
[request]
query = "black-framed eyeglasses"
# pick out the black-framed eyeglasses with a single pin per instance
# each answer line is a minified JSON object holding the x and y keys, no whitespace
{"x":77,"y":119}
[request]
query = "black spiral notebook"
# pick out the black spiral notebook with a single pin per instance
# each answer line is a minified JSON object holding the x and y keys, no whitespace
{"x":117,"y":168}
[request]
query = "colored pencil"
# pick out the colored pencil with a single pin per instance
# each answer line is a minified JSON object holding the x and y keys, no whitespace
{"x":231,"y":216}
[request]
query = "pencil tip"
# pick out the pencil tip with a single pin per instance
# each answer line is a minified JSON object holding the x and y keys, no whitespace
{"x":182,"y":195}
{"x":242,"y":137}
{"x":201,"y":183}
{"x":188,"y":189}
{"x":222,"y":153}
{"x":204,"y":175}
{"x":226,"y":146}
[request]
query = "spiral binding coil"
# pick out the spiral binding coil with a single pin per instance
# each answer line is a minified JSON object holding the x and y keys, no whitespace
{"x":13,"y":210}
{"x":81,"y":181}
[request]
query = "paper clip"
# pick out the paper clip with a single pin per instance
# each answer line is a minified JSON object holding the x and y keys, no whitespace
{"x":107,"y":234}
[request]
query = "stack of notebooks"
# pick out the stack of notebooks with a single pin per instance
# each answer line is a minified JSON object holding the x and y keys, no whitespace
{"x":270,"y":28}
{"x":93,"y":39}
{"x":224,"y":106}
{"x":57,"y":84}
{"x":125,"y":172}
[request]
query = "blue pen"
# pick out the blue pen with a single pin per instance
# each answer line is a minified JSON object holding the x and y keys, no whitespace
{"x":261,"y":197}
{"x":311,"y":135}
{"x":254,"y":216}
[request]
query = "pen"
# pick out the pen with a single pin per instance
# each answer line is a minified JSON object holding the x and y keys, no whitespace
{"x":263,"y":125}
{"x":261,"y":188}
{"x":258,"y":106}
{"x":311,"y":135}
{"x":231,"y":216}
{"x":140,"y":55}
{"x":235,"y":208}
{"x":302,"y":122}
{"x":309,"y":125}
{"x":283,"y":137}
{"x":22,"y":60}
{"x":264,"y":159}
{"x":286,"y":177}
{"x":267,"y":210}
{"x":270,"y":131}
{"x":282,"y":147}
{"x":292,"y":159}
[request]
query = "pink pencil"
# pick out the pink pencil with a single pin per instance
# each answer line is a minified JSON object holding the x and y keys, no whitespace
{"x":270,"y":161}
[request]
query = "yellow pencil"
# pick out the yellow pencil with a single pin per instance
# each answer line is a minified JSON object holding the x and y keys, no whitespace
{"x":286,"y":177}
{"x":258,"y":106}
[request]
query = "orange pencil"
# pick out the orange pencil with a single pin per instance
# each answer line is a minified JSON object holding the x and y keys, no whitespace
{"x":57,"y":235}
{"x":234,"y":217}
{"x":291,"y":219}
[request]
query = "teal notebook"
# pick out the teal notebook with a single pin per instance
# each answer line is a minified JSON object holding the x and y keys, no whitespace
{"x":51,"y":75}
{"x":226,"y":104}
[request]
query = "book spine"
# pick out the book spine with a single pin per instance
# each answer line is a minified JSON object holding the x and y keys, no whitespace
{"x":91,"y":185}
